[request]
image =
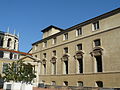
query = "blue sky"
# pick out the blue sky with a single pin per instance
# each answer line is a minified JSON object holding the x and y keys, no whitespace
{"x":29,"y":17}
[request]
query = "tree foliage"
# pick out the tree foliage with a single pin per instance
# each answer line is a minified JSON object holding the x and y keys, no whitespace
{"x":19,"y":72}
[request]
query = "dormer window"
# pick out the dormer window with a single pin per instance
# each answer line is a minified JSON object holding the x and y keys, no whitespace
{"x":45,"y":44}
{"x":54,"y":40}
{"x":79,"y":47}
{"x":65,"y":36}
{"x":9,"y":42}
{"x":96,"y":25}
{"x":79,"y":32}
{"x":97,"y":42}
{"x":36,"y":46}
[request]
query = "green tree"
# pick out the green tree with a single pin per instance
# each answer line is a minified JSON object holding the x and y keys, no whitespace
{"x":19,"y":72}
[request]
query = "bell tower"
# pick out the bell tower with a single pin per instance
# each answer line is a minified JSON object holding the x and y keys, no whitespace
{"x":10,"y":42}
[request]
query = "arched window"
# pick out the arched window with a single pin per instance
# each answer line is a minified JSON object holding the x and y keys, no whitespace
{"x":65,"y":83}
{"x":1,"y":54}
{"x":11,"y":55}
{"x":8,"y":43}
{"x":99,"y":83}
{"x":15,"y":44}
{"x":80,"y":83}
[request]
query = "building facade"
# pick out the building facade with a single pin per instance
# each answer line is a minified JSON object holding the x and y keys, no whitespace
{"x":87,"y":54}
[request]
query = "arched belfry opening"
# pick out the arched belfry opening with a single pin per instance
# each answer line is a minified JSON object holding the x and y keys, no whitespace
{"x":1,"y":42}
{"x":9,"y":42}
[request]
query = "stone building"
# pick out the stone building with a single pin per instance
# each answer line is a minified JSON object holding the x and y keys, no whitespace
{"x":87,"y":54}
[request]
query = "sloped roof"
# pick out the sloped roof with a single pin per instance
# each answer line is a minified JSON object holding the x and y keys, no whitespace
{"x":51,"y":26}
{"x":13,"y":51}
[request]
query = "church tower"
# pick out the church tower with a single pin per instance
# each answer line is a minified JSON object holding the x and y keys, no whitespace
{"x":10,"y":42}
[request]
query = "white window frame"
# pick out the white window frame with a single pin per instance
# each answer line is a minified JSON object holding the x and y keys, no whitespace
{"x":65,"y":36}
{"x":95,"y":26}
{"x":45,"y":44}
{"x":54,"y":40}
{"x":77,"y":47}
{"x":96,"y":40}
{"x":79,"y":32}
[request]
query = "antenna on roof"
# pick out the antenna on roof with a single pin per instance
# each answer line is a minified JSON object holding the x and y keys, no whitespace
{"x":14,"y":31}
{"x":8,"y":30}
{"x":18,"y":35}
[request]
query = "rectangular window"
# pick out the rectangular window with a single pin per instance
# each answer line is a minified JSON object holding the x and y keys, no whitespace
{"x":66,"y":36}
{"x":36,"y":56}
{"x":45,"y":44}
{"x":66,"y":50}
{"x":36,"y":46}
{"x":53,"y":83}
{"x":80,"y":83}
{"x":99,"y":63}
{"x":54,"y":53}
{"x":66,"y":67}
{"x":53,"y":68}
{"x":44,"y":55}
{"x":96,"y":25}
{"x":65,"y":83}
{"x":97,"y":42}
{"x":54,"y":40}
{"x":44,"y":65}
{"x":99,"y":83}
{"x":79,"y":47}
{"x":79,"y":32}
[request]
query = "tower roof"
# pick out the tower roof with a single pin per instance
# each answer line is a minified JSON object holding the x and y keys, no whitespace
{"x":51,"y":26}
